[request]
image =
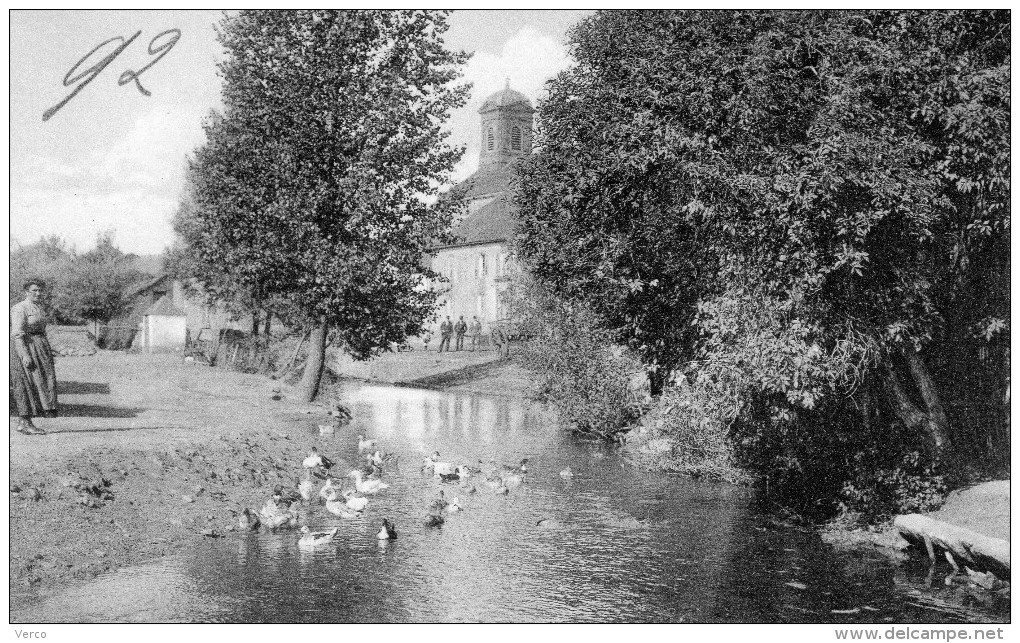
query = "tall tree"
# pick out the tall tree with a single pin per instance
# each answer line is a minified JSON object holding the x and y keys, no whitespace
{"x":317,"y":182}
{"x":815,"y":200}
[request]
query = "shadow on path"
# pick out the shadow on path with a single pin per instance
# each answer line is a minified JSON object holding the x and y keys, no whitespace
{"x":82,"y":388}
{"x":112,"y":429}
{"x":88,"y":411}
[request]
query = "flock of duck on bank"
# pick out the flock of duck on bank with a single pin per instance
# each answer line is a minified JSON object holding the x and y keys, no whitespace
{"x":346,"y":496}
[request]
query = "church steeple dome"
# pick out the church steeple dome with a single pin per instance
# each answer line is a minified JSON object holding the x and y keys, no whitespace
{"x":506,"y":128}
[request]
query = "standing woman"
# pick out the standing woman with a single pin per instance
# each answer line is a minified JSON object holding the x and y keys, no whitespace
{"x":33,"y":378}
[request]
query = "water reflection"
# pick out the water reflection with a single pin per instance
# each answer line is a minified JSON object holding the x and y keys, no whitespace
{"x":613,"y":543}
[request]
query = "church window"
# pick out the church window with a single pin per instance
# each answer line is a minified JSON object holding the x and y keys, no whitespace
{"x":515,"y":138}
{"x":491,"y":140}
{"x":482,"y":269}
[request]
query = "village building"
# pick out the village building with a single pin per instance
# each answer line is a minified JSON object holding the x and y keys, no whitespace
{"x":167,"y":315}
{"x":476,"y":267}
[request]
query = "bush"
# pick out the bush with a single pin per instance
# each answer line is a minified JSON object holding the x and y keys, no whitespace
{"x":581,"y":372}
{"x":688,"y":434}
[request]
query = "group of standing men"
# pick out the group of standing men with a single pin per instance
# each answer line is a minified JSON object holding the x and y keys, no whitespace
{"x":447,"y":330}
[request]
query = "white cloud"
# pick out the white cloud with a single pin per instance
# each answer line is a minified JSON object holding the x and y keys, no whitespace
{"x":132,"y":186}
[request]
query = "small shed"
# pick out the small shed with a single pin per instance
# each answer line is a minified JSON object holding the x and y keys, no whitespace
{"x":164,"y":327}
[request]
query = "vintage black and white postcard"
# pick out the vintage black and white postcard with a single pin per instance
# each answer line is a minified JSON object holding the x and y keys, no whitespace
{"x":333,"y":316}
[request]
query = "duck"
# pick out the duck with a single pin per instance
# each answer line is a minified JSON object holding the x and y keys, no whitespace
{"x":311,"y":538}
{"x":367,"y":486}
{"x":434,"y":520}
{"x":451,"y":477}
{"x":249,"y":520}
{"x":454,"y":506}
{"x":326,"y":429}
{"x":316,"y":459}
{"x":306,"y":488}
{"x":440,"y":503}
{"x":438,"y":468}
{"x":280,"y":496}
{"x":353,"y":502}
{"x":339,"y":508}
{"x":522,"y":468}
{"x":378,"y":458}
{"x":370,"y":471}
{"x":364,"y":444}
{"x":327,"y":489}
{"x":549,"y":523}
{"x":274,"y":517}
{"x":567,"y":473}
{"x":388,"y":531}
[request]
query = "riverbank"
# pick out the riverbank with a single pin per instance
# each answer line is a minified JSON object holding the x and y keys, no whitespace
{"x":149,"y":453}
{"x":479,"y":371}
{"x":982,"y":508}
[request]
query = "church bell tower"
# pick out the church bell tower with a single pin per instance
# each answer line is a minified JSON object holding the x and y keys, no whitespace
{"x":507,"y":118}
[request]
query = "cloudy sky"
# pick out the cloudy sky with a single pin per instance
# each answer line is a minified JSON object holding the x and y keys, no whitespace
{"x":113,"y":159}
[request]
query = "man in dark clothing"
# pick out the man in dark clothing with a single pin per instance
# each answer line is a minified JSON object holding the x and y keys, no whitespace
{"x":476,"y":332}
{"x":445,"y":331}
{"x":460,"y":328}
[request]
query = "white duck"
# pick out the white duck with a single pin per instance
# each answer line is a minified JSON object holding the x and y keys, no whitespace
{"x":367,"y":486}
{"x":364,"y":444}
{"x":441,"y":468}
{"x":306,"y":488}
{"x":311,"y":539}
{"x":276,"y":518}
{"x":316,"y":459}
{"x":567,"y":473}
{"x":337,"y":507}
{"x":454,"y":506}
{"x":355,"y":503}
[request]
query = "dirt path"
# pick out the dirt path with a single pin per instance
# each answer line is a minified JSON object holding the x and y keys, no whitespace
{"x":149,"y":452}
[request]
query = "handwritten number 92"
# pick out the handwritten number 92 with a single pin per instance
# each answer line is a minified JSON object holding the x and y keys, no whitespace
{"x":158,"y":47}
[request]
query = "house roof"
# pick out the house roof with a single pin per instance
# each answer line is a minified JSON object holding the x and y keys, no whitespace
{"x":485,"y":181}
{"x":165,"y":307}
{"x":493,"y":222}
{"x":141,"y":286}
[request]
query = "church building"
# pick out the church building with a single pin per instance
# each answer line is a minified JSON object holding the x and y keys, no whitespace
{"x":477,"y":265}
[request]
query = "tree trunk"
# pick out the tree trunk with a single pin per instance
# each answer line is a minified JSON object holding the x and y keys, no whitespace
{"x":313,"y":365}
{"x":931,"y":423}
{"x":937,"y":420}
{"x":656,"y":382}
{"x":268,"y":325}
{"x":255,"y":323}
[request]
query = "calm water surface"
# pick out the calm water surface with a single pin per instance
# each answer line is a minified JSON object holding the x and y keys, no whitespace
{"x":627,"y":545}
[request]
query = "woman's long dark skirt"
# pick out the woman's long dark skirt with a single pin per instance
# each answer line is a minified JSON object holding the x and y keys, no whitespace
{"x":34,"y":392}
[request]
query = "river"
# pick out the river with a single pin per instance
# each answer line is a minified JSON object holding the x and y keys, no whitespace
{"x":619,"y":544}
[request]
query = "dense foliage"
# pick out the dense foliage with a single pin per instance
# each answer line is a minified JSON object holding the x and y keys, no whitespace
{"x":316,"y":183}
{"x":580,"y":369}
{"x":802,"y":216}
{"x":81,"y":286}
